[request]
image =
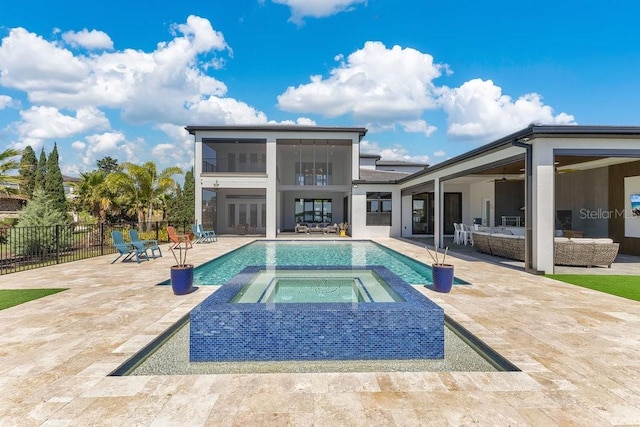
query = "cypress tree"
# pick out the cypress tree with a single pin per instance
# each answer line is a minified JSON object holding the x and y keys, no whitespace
{"x":28,"y":170}
{"x":41,"y":172}
{"x":53,"y":183}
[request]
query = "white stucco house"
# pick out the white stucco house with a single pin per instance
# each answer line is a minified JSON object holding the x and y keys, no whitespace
{"x":543,"y":179}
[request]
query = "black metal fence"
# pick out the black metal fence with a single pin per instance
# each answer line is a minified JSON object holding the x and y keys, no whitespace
{"x":25,"y":248}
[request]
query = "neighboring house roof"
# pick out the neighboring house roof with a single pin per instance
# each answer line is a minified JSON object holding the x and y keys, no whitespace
{"x":12,"y":196}
{"x":369,"y":156}
{"x":371,"y":176}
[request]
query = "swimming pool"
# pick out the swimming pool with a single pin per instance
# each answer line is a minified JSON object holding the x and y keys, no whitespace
{"x":317,"y":254}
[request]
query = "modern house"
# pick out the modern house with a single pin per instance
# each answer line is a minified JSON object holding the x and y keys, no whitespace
{"x":540,"y":181}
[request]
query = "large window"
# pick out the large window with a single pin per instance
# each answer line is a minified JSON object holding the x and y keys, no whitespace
{"x":310,"y":173}
{"x":379,"y":208}
{"x":313,"y":210}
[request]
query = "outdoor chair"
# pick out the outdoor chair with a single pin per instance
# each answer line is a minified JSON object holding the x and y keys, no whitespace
{"x":207,"y":235}
{"x":177,"y":239}
{"x":126,"y":249}
{"x":201,"y":236}
{"x":144,"y":244}
{"x":456,"y":233}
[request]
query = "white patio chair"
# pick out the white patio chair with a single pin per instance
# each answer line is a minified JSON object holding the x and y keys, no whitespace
{"x":456,"y":233}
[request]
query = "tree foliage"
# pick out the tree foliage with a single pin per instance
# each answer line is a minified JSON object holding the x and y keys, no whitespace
{"x":40,"y":212}
{"x":9,"y":164}
{"x":107,"y":165}
{"x":54,"y":183}
{"x":181,"y":207}
{"x":41,"y":172}
{"x":140,"y":187}
{"x":28,"y":166}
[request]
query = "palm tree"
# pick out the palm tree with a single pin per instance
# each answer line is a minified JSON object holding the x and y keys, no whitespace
{"x":93,"y":194}
{"x":8,"y":164}
{"x":141,"y":186}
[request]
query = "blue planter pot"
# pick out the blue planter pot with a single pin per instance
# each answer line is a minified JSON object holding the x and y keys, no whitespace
{"x":182,"y":279}
{"x":442,"y":277}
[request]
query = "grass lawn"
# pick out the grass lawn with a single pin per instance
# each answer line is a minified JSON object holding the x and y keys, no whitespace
{"x":11,"y":297}
{"x":622,"y":286}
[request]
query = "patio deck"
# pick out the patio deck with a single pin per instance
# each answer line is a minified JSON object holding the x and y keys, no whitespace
{"x":579,"y":352}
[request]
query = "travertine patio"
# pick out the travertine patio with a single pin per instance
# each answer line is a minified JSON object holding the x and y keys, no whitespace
{"x":579,"y":352}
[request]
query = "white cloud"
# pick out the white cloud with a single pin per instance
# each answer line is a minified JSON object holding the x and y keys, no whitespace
{"x":5,"y":101}
{"x":391,"y":153}
{"x":48,"y":123}
{"x":439,"y":153}
{"x":167,"y":84}
{"x":316,"y":8}
{"x":376,"y":84}
{"x":478,"y":109}
{"x":91,"y":40}
{"x":418,"y":126}
{"x":113,"y":144}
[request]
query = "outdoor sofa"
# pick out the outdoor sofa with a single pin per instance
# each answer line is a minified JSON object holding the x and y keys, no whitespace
{"x":317,"y":227}
{"x":584,"y":252}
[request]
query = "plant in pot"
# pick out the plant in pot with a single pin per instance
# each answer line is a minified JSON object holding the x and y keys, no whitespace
{"x":181,"y":273}
{"x":441,"y":273}
{"x":343,"y":226}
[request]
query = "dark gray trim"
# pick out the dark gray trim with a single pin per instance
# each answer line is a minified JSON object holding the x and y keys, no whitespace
{"x":192,"y":129}
{"x":497,"y":164}
{"x":596,"y":152}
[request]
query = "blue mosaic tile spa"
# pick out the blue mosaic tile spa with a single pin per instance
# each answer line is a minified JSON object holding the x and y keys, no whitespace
{"x":405,"y":325}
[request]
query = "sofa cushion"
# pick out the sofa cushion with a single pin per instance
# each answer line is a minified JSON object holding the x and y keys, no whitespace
{"x":581,"y":240}
{"x":603,"y":240}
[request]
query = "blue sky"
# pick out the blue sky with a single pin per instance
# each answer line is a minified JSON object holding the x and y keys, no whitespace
{"x":429,"y":79}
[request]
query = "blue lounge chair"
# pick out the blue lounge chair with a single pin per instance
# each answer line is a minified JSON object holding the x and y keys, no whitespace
{"x":144,"y":245}
{"x":126,"y":249}
{"x":207,"y":235}
{"x":202,"y":236}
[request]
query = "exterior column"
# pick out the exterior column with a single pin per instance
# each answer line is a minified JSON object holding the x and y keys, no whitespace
{"x":543,"y":209}
{"x":438,"y":207}
{"x":272,"y":189}
{"x":197,"y":176}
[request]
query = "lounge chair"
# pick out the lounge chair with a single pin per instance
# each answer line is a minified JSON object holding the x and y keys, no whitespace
{"x":178,"y":239}
{"x":126,"y":249}
{"x":144,"y":244}
{"x":201,"y":236}
{"x":207,"y":235}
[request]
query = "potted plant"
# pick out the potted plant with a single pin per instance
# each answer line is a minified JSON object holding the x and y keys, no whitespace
{"x":181,"y":273}
{"x":343,"y":226}
{"x":441,"y":273}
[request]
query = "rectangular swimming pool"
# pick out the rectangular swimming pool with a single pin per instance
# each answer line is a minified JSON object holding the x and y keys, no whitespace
{"x":333,"y":254}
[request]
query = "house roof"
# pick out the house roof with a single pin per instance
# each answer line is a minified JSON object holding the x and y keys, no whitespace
{"x":530,"y":133}
{"x":192,"y":129}
{"x":371,"y":176}
{"x":369,"y":156}
{"x":399,"y":163}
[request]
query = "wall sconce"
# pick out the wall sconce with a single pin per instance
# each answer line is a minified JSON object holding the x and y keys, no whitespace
{"x":216,"y":184}
{"x":355,"y":185}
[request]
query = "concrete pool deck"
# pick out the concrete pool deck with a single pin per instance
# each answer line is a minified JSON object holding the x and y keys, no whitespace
{"x":579,"y":352}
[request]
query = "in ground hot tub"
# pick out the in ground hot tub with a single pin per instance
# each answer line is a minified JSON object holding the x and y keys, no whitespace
{"x":316,"y":314}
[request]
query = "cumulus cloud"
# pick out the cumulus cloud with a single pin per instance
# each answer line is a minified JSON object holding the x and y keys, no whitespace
{"x":90,"y":40}
{"x":47,"y":123}
{"x":301,"y":9}
{"x":479,"y":110}
{"x":391,"y":153}
{"x":5,"y":101}
{"x":147,"y":86}
{"x":376,"y":84}
{"x":97,"y":146}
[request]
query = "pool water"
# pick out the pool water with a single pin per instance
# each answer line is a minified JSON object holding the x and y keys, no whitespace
{"x":334,"y":254}
{"x":316,"y":286}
